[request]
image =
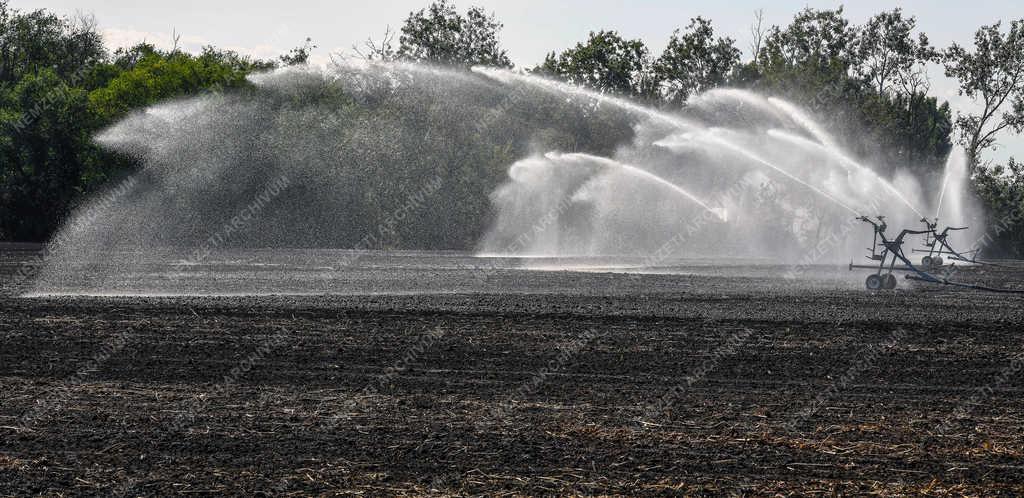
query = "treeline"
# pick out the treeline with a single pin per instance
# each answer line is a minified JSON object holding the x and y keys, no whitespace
{"x":59,"y":85}
{"x":868,"y":83}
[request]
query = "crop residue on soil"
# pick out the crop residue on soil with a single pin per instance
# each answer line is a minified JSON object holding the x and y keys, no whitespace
{"x":701,"y":383}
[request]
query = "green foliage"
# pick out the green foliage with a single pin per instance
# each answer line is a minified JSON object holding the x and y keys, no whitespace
{"x":1001,"y":189}
{"x":151,"y":76}
{"x":919,"y":131}
{"x":44,"y":149}
{"x":694,"y":61}
{"x":298,"y":55}
{"x":59,"y":86}
{"x":38,"y":40}
{"x":809,"y":61}
{"x":440,"y":35}
{"x":887,"y":54}
{"x":607,"y":63}
{"x":815,"y":38}
{"x":993,"y":73}
{"x":865,"y":84}
{"x":45,"y":127}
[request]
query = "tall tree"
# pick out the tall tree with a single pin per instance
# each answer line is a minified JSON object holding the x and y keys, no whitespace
{"x":439,"y":34}
{"x":808,"y":61}
{"x":45,"y":61}
{"x":815,"y":38}
{"x":155,"y":75}
{"x":607,"y":63}
{"x":298,"y":55}
{"x":820,"y":62}
{"x":58,"y":87}
{"x":891,"y":61}
{"x":994,"y":74}
{"x":44,"y":149}
{"x":373,"y":50}
{"x":30,"y":42}
{"x":1001,"y":189}
{"x":694,"y":61}
{"x":757,"y":33}
{"x":889,"y":57}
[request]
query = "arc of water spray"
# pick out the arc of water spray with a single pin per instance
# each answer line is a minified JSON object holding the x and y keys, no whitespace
{"x":801,"y":118}
{"x":846,"y":161}
{"x":942,"y":194}
{"x":715,"y":138}
{"x":359,"y":64}
{"x":721,"y":213}
{"x":786,"y":108}
{"x":506,"y":76}
{"x":742,"y":97}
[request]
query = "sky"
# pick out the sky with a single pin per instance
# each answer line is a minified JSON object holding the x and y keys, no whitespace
{"x":532,"y":27}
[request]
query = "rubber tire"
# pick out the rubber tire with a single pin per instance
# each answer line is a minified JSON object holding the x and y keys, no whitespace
{"x":874,"y":282}
{"x":927,"y":261}
{"x":937,"y":261}
{"x":890,"y":282}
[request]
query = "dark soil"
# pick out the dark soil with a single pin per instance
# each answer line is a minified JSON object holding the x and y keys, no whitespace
{"x":726,"y":387}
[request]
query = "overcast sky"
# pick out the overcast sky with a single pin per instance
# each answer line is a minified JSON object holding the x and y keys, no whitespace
{"x":532,"y":27}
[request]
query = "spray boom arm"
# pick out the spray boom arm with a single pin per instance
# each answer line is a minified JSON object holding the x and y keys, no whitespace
{"x":893,"y":245}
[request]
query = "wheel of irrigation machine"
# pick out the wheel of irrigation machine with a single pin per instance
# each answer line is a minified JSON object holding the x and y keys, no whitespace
{"x":874,"y":282}
{"x":890,"y":281}
{"x":926,"y":261}
{"x":937,"y":261}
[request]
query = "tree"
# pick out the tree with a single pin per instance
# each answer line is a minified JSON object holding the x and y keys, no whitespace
{"x":993,"y":73}
{"x":694,"y":61}
{"x":821,"y":63}
{"x":58,"y":87}
{"x":911,"y":131}
{"x":757,"y":32}
{"x":809,"y":61}
{"x":373,"y":50}
{"x":30,"y":42}
{"x":887,"y":54}
{"x":1001,"y":189}
{"x":160,"y":75}
{"x":891,"y":61}
{"x":606,"y":63}
{"x":43,"y":151}
{"x":438,"y":34}
{"x":298,"y":55}
{"x":45,"y":63}
{"x":820,"y":38}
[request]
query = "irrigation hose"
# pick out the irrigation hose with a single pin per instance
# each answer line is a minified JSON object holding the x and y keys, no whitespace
{"x":965,"y":285}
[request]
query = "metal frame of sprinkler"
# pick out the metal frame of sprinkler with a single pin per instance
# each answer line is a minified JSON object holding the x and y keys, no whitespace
{"x":937,"y":245}
{"x":888,"y":252}
{"x":891,"y":252}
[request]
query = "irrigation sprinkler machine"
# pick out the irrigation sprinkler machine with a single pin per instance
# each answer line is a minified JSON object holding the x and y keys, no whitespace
{"x":888,"y":257}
